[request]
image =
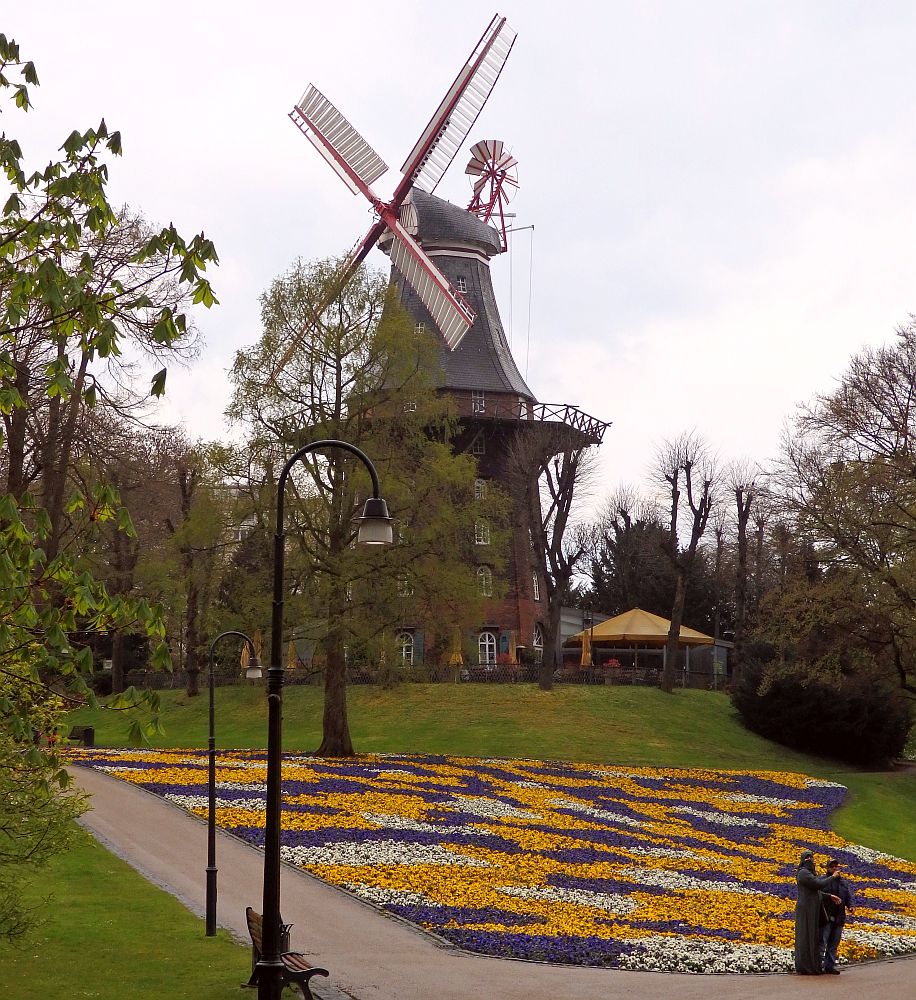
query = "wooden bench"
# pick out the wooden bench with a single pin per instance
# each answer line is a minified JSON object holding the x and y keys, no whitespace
{"x":297,"y":970}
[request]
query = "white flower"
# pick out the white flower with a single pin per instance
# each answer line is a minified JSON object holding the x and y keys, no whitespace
{"x":609,"y":901}
{"x":885,"y":942}
{"x":602,"y":814}
{"x":764,"y":800}
{"x":380,"y":895}
{"x":724,"y":819}
{"x":663,"y":953}
{"x":489,"y":808}
{"x":404,"y":823}
{"x":678,"y":880}
{"x":377,"y":852}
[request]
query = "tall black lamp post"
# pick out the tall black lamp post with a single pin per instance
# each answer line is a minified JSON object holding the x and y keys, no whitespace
{"x":253,"y":671}
{"x":374,"y":529}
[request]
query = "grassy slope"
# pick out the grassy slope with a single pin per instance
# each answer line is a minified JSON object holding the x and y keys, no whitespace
{"x":620,"y":725}
{"x":109,"y":933}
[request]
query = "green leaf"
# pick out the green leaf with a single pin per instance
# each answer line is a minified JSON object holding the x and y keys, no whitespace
{"x":158,"y":387}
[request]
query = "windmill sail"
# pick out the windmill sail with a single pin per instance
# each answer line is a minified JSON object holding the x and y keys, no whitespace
{"x":451,"y":314}
{"x":455,"y":116}
{"x":337,"y":141}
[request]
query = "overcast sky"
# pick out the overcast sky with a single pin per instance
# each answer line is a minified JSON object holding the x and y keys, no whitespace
{"x":722,"y":193}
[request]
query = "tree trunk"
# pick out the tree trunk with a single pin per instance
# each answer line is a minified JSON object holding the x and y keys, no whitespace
{"x":674,"y":633}
{"x":335,"y":740}
{"x":15,"y":435}
{"x":192,"y":639}
{"x":117,"y":663}
{"x":744,"y":509}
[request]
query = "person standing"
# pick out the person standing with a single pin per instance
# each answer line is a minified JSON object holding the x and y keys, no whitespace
{"x":837,"y":900}
{"x":808,"y":914}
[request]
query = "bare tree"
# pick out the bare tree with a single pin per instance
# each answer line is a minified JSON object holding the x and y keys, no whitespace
{"x":744,"y":484}
{"x":687,"y":470}
{"x":549,"y":469}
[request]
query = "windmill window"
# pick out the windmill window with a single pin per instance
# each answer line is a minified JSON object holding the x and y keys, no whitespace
{"x":480,"y":489}
{"x":461,"y":284}
{"x":481,"y":533}
{"x":479,"y":445}
{"x":478,"y":401}
{"x":410,"y":406}
{"x":405,"y":587}
{"x":538,"y":642}
{"x":420,"y":327}
{"x":404,"y":643}
{"x":535,"y":587}
{"x":485,"y":581}
{"x":349,"y":591}
{"x":486,"y":647}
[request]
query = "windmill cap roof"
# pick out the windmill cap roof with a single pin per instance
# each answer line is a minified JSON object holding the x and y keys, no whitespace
{"x":440,"y":221}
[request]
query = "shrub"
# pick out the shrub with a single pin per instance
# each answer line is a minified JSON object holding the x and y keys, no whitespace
{"x":860,"y":715}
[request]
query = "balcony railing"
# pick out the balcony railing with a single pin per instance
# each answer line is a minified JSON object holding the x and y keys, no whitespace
{"x":494,"y":407}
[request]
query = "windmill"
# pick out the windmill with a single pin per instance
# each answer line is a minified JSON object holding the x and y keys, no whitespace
{"x":358,"y":166}
{"x":497,"y":181}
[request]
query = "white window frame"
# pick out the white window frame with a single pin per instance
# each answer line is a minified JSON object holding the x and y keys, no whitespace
{"x":461,"y":284}
{"x":479,"y":445}
{"x":405,"y":645}
{"x":537,"y":641}
{"x":480,"y":489}
{"x":535,"y":586}
{"x":478,"y":401}
{"x":410,"y":406}
{"x":486,"y":648}
{"x":485,"y":581}
{"x":405,"y":587}
{"x":481,"y":533}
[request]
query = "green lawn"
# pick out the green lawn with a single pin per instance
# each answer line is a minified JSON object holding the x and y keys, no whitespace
{"x":619,"y":725}
{"x":110,"y":934}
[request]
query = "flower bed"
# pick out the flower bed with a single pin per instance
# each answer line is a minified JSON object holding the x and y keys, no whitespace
{"x":665,"y":869}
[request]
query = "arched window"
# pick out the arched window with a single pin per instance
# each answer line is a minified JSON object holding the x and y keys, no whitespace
{"x":404,"y":641}
{"x":538,"y":642}
{"x":485,"y":581}
{"x":486,"y":646}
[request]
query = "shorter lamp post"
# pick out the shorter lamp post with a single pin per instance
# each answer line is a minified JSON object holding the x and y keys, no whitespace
{"x":253,"y":672}
{"x":374,"y":529}
{"x":588,"y":623}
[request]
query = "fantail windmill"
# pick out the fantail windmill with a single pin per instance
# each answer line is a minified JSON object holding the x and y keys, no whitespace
{"x":497,"y":181}
{"x":359,"y":166}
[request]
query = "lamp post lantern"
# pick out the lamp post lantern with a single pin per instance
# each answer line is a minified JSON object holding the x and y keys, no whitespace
{"x":253,"y":671}
{"x":374,"y":529}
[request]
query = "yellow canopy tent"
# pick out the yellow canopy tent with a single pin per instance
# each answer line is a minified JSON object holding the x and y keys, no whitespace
{"x":637,"y":627}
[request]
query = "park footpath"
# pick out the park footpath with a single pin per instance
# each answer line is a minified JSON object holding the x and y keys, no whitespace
{"x":372,"y":956}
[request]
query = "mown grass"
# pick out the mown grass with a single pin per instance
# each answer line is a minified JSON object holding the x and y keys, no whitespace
{"x":619,"y":725}
{"x":108,"y":933}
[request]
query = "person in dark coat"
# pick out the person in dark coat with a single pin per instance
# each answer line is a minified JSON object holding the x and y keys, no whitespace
{"x":807,"y":916}
{"x":834,"y":916}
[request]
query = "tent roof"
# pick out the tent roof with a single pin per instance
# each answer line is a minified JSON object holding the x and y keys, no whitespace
{"x":638,"y":626}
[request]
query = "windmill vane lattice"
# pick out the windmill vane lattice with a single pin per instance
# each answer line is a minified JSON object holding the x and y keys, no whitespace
{"x":440,"y":256}
{"x":358,"y":166}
